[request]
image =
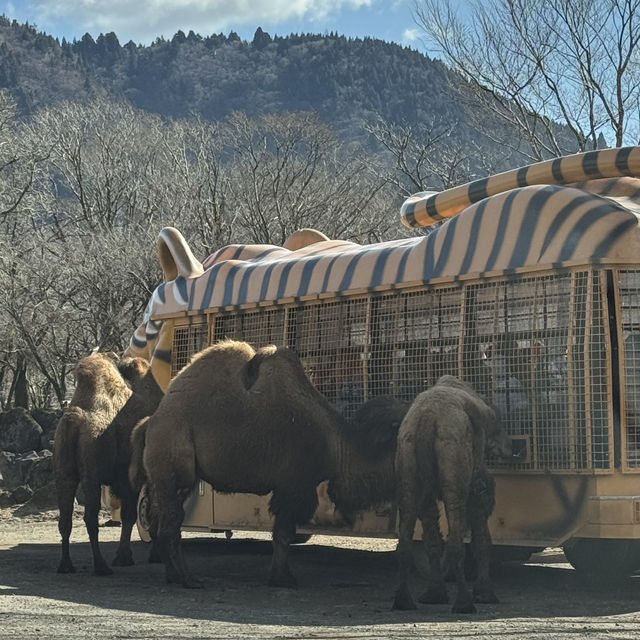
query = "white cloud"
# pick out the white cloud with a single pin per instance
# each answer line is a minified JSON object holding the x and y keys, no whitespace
{"x":144,"y":20}
{"x":411,"y":35}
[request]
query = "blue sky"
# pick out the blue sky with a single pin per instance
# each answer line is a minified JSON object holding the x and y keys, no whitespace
{"x":144,"y":20}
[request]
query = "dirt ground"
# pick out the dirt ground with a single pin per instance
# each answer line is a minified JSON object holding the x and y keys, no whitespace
{"x":346,"y":589}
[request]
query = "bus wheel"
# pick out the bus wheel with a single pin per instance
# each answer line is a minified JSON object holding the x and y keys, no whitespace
{"x":143,"y":521}
{"x":603,"y":559}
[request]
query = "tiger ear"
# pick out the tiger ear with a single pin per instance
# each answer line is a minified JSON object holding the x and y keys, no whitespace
{"x":175,"y":256}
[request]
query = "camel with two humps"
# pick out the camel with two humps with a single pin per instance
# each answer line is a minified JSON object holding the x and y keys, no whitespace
{"x":440,"y":455}
{"x":248,"y":421}
{"x":92,"y":448}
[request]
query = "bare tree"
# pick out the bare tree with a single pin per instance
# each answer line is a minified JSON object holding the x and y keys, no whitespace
{"x":538,"y":64}
{"x":102,"y":163}
{"x":291,"y":171}
{"x":428,"y":156}
{"x":197,"y":191}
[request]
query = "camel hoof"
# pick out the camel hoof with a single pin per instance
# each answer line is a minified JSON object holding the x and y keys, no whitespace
{"x":403,"y":601}
{"x":66,"y":567}
{"x":463,"y":606}
{"x":123,"y":561}
{"x":436,"y":594}
{"x":103,"y":570}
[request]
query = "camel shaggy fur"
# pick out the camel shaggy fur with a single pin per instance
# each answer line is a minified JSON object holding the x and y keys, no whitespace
{"x":373,"y":431}
{"x":92,"y":447}
{"x":441,"y":455}
{"x":244,"y":421}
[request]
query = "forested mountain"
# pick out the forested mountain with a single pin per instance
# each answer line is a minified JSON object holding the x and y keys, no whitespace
{"x":346,"y":81}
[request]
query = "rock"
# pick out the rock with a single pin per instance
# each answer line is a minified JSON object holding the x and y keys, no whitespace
{"x":6,"y":499}
{"x":48,"y":421}
{"x":11,"y":472}
{"x":30,"y":468}
{"x":44,"y":499}
{"x":22,"y":494}
{"x":40,"y":472}
{"x":47,"y":418}
{"x":19,"y":431}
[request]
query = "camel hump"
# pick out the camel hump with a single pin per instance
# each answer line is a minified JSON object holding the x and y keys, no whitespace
{"x":176,"y":258}
{"x":303,"y":238}
{"x":251,"y":371}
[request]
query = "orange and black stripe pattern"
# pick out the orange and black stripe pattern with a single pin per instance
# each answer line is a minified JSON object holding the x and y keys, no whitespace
{"x":424,"y":209}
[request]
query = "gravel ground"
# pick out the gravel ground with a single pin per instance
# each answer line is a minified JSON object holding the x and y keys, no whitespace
{"x":346,"y":590}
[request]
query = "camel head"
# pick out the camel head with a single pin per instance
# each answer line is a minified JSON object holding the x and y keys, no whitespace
{"x":497,"y":443}
{"x":133,"y":369}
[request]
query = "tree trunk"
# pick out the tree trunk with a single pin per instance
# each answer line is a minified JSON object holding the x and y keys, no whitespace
{"x":21,"y":388}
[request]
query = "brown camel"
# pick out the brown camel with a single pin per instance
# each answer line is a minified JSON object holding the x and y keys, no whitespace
{"x":246,"y":422}
{"x":92,"y":447}
{"x":441,"y":455}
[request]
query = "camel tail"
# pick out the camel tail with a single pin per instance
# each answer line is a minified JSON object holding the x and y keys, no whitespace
{"x":137,"y":476}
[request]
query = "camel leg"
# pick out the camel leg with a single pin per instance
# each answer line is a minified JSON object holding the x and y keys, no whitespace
{"x":154,"y":554}
{"x":284,"y":531}
{"x":289,"y":510}
{"x":436,"y":591}
{"x":454,"y":483}
{"x":407,"y":498}
{"x":481,"y":544}
{"x":66,"y":491}
{"x":169,"y":508}
{"x":91,"y":509}
{"x":128,"y":514}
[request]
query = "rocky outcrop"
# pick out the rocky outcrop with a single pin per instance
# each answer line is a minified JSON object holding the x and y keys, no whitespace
{"x":19,"y":432}
{"x":26,"y":460}
{"x":34,"y":469}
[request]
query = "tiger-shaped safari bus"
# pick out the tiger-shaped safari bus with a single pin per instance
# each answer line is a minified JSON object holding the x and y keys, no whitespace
{"x":529,"y":291}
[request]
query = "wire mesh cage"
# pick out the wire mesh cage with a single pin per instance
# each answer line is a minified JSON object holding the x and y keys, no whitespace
{"x":535,"y":347}
{"x":629,"y":287}
{"x":187,"y":341}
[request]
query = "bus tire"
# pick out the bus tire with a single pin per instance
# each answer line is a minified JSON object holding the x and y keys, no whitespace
{"x":603,"y":559}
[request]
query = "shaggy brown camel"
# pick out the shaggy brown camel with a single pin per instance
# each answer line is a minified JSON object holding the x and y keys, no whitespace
{"x":441,"y":455}
{"x":247,"y":422}
{"x":92,"y":447}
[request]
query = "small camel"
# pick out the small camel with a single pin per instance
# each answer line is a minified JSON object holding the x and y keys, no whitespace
{"x":440,"y":454}
{"x":244,"y":421}
{"x":92,"y":447}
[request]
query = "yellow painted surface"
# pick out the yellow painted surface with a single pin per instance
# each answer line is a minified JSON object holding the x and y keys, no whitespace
{"x":531,"y":510}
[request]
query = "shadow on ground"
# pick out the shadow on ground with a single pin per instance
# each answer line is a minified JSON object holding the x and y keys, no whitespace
{"x":337,"y":586}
